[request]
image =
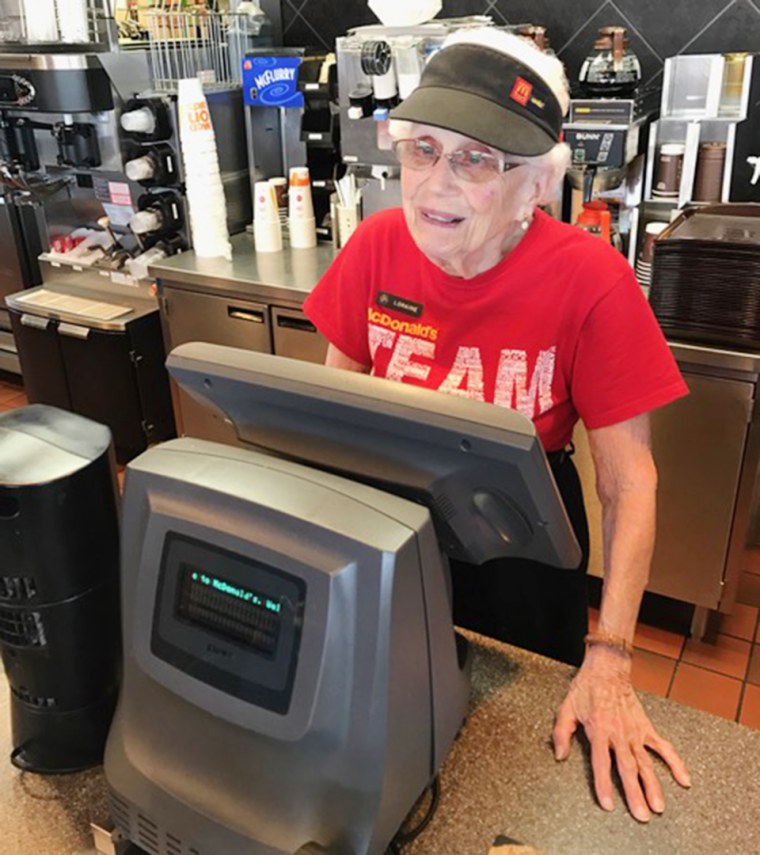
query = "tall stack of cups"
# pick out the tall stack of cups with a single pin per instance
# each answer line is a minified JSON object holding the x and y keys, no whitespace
{"x":301,"y":222}
{"x":203,"y":180}
{"x":267,"y":231}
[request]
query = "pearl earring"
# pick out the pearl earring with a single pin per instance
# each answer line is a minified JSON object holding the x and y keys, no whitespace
{"x":525,"y":224}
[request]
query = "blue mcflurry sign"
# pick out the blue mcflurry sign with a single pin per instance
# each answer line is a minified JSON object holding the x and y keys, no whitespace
{"x":271,"y":81}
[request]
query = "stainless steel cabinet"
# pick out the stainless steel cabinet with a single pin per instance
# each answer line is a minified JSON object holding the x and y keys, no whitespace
{"x":190,"y":316}
{"x":706,"y":450}
{"x":294,"y":335}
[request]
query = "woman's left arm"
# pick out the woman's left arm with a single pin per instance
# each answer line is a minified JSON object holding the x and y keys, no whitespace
{"x":601,"y":697}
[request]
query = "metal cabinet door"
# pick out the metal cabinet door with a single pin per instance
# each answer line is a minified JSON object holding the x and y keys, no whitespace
{"x":189,"y":316}
{"x":219,"y":320}
{"x":698,"y":444}
{"x":294,"y":335}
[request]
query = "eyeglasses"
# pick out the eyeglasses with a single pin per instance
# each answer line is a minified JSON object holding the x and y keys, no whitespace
{"x":469,"y":164}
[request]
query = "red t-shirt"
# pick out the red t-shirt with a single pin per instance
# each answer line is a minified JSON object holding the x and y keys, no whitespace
{"x":558,"y":330}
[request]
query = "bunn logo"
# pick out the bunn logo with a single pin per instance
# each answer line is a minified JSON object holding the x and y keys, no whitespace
{"x":521,"y":91}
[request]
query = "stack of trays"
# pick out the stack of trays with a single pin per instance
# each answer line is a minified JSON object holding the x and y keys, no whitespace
{"x":705,"y":278}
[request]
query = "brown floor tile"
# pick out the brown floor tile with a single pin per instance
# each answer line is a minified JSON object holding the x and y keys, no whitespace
{"x":750,"y":711}
{"x":753,"y":672}
{"x":749,"y":589}
{"x":656,"y":640}
{"x":19,"y":400}
{"x":8,"y":393}
{"x":652,"y":673}
{"x":741,"y":623}
{"x":705,"y":690}
{"x":727,"y":655}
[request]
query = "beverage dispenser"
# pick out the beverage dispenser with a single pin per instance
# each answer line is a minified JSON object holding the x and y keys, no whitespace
{"x":291,"y":120}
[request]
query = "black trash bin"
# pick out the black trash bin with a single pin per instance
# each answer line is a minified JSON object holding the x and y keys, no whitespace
{"x":59,"y":587}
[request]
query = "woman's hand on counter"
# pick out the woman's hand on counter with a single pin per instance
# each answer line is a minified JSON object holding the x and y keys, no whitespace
{"x":603,"y":701}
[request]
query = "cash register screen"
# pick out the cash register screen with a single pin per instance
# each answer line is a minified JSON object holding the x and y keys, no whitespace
{"x":479,"y":468}
{"x":229,"y":609}
{"x":228,"y":620}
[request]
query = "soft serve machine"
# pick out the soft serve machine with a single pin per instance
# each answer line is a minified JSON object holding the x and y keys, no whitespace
{"x":378,"y":66}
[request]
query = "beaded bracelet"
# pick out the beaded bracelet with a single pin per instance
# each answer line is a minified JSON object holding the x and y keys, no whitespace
{"x":608,"y":639}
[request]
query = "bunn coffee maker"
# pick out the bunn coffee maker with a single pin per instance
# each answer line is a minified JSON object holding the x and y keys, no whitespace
{"x":292,"y":678}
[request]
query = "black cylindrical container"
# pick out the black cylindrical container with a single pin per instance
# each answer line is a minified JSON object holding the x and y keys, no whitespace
{"x":59,"y":606}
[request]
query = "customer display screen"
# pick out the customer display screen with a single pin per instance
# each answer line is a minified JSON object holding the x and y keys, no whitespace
{"x":228,"y":608}
{"x":229,"y":619}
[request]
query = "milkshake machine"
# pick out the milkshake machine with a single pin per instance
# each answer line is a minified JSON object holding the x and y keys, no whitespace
{"x":378,"y":66}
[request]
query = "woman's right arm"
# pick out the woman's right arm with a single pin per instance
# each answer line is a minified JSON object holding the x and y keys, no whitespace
{"x":337,"y":359}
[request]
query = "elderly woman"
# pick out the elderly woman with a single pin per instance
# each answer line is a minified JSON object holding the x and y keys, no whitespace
{"x":504,"y":304}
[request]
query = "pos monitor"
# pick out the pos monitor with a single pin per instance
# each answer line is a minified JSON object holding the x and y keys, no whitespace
{"x":292,"y":679}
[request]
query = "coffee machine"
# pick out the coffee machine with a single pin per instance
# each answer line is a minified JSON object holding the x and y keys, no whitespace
{"x":607,"y":130}
{"x":61,"y":162}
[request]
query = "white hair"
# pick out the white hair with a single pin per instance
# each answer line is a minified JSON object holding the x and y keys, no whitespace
{"x":524,"y":50}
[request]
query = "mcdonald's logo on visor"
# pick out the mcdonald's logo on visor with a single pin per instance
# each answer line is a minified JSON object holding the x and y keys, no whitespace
{"x":521,"y":91}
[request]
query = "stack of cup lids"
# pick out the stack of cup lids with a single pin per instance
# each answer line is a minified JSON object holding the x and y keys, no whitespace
{"x":267,"y":229}
{"x":645,"y":259}
{"x":301,"y":222}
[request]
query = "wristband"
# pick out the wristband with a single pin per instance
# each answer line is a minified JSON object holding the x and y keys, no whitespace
{"x":608,"y":639}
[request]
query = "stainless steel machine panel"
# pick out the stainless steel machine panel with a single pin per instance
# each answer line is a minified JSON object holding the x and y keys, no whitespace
{"x":294,"y":335}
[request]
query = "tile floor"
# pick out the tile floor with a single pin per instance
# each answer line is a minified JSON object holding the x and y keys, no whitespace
{"x":722,"y":677}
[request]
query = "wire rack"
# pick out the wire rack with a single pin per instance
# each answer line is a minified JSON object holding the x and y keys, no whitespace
{"x":197,"y":43}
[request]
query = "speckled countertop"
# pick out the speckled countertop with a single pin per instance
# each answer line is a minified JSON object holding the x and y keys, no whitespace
{"x":500,"y":777}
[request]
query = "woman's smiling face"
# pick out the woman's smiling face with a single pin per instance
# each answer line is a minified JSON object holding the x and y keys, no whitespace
{"x":459,"y":225}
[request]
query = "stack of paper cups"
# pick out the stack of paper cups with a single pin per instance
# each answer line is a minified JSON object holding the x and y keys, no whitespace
{"x":203,"y":180}
{"x":267,"y":231}
{"x":301,"y":222}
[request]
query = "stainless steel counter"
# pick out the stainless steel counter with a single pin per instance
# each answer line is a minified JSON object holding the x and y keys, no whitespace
{"x":91,"y":284}
{"x":500,"y":777}
{"x":281,"y":277}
